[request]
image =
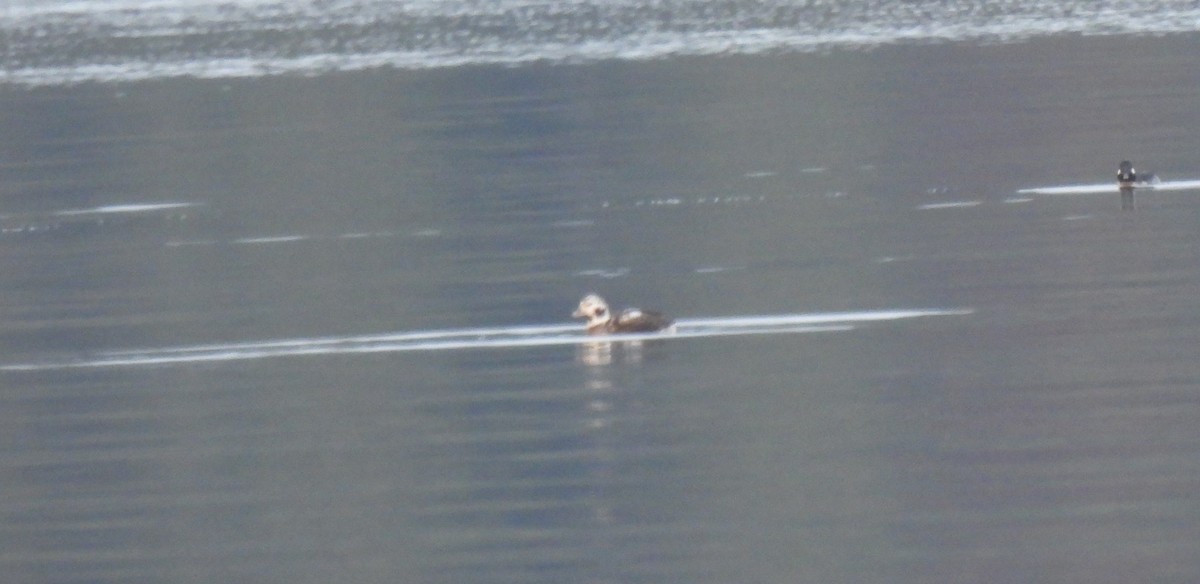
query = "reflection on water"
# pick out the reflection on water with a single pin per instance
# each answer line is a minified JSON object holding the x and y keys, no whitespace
{"x":1127,"y":200}
{"x":554,"y":483}
{"x":601,"y":353}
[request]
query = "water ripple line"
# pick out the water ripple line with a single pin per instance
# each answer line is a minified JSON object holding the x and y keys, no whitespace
{"x":476,"y":338}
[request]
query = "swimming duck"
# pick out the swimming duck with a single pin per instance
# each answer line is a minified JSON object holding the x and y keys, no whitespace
{"x":600,"y":320}
{"x":1128,"y":177}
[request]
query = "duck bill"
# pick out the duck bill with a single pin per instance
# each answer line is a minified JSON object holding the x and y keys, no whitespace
{"x":577,"y":314}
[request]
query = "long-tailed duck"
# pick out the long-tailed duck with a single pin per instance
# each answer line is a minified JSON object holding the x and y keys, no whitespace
{"x":600,"y":320}
{"x":1127,"y":177}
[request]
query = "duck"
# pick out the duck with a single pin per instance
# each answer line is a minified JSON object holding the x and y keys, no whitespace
{"x":601,"y":320}
{"x":1127,"y":176}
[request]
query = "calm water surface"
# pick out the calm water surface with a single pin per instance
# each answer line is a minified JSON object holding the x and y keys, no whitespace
{"x":1050,"y":434}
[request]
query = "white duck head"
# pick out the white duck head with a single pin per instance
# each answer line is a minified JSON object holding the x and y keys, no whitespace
{"x":594,"y":309}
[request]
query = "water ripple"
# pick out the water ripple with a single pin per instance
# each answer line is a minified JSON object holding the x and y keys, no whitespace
{"x":63,"y":42}
{"x":477,"y":338}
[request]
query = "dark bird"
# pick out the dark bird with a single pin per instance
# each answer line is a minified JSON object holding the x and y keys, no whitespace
{"x":1127,"y":176}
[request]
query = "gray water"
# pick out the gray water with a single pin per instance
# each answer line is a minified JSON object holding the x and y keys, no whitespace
{"x":51,"y":42}
{"x":1038,"y":424}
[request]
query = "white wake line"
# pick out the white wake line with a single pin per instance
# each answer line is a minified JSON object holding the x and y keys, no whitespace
{"x":500,"y":337}
{"x":125,"y":208}
{"x":682,"y":326}
{"x":189,"y":356}
{"x":1111,"y":187}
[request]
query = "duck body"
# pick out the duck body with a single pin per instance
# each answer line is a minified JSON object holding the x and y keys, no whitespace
{"x":602,"y":320}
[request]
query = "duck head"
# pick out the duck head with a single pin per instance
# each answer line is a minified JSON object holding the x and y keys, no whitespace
{"x":594,"y":309}
{"x":1125,"y":172}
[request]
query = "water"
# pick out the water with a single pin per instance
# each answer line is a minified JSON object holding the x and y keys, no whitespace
{"x":68,"y":41}
{"x":311,"y":324}
{"x":481,"y":338}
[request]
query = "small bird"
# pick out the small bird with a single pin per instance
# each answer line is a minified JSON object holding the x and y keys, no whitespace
{"x":600,"y":320}
{"x":1127,"y":176}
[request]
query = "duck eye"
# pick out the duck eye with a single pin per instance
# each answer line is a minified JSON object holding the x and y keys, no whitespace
{"x":599,"y":311}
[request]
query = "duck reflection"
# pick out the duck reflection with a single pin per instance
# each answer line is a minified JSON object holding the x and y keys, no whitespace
{"x":1128,"y":203}
{"x":601,"y":353}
